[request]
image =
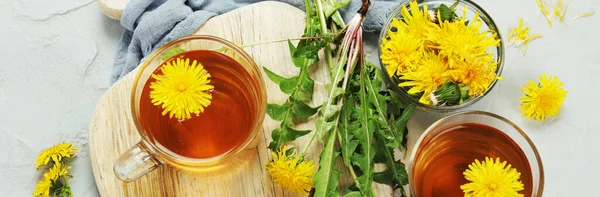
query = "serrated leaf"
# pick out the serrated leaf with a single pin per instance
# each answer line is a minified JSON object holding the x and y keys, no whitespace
{"x":326,"y":179}
{"x":335,"y":92}
{"x":278,"y":112}
{"x":396,"y":168}
{"x":446,"y":13}
{"x":288,"y":86}
{"x":323,"y":127}
{"x":365,"y":138}
{"x":353,"y":194}
{"x":274,"y":77}
{"x":302,"y":111}
{"x":285,"y":134}
{"x":349,"y":143}
{"x":402,"y":121}
{"x":385,"y":177}
{"x":306,"y":88}
{"x":373,"y":82}
{"x":331,"y":6}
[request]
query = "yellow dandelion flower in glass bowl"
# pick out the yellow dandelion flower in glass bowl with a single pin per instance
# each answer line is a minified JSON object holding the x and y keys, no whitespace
{"x":477,"y":73}
{"x":426,"y":77}
{"x":417,"y":21}
{"x":543,"y":99}
{"x":492,"y":178}
{"x":55,"y":154}
{"x":457,"y":41}
{"x":182,"y":89}
{"x":58,"y":170}
{"x":291,"y":173}
{"x":42,"y":188}
{"x":398,"y":53}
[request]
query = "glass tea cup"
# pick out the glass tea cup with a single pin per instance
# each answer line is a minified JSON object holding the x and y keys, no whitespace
{"x":434,"y":145}
{"x":150,"y":153}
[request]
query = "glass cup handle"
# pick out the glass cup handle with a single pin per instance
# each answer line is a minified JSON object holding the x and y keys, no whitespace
{"x":134,"y":163}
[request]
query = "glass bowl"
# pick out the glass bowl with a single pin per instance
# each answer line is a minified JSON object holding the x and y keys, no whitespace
{"x":472,"y":8}
{"x":427,"y":144}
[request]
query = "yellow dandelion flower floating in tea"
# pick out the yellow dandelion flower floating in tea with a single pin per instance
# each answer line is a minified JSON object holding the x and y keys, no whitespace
{"x":57,"y":171}
{"x":520,"y":36}
{"x":427,"y":77}
{"x":182,"y":89}
{"x":55,"y":154}
{"x":543,"y":99}
{"x":493,"y":179}
{"x":42,"y":188}
{"x":457,"y":41}
{"x":290,"y":173}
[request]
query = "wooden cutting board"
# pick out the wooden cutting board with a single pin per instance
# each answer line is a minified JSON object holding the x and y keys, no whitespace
{"x":112,"y":130}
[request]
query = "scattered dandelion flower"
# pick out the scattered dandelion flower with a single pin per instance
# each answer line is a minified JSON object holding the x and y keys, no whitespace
{"x":426,"y":77}
{"x":519,"y":36}
{"x":291,"y":173}
{"x":42,"y":188}
{"x":55,"y":154}
{"x":58,"y":170}
{"x":543,"y":5}
{"x":182,"y":89}
{"x":543,"y":99}
{"x":587,"y":14}
{"x":492,"y":178}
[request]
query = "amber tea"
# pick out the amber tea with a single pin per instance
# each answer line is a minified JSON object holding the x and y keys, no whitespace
{"x":224,"y":125}
{"x":441,"y":161}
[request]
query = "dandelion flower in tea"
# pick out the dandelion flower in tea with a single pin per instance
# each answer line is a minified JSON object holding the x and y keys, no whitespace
{"x":182,"y":89}
{"x":492,"y":178}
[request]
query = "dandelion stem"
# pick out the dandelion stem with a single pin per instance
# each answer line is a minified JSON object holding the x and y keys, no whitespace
{"x":284,"y":40}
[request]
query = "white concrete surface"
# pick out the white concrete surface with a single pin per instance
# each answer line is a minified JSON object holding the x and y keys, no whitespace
{"x":56,"y":56}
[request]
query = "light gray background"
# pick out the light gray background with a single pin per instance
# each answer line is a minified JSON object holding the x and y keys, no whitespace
{"x":56,"y":56}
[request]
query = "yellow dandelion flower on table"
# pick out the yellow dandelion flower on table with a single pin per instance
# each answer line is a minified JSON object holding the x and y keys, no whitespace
{"x":477,"y":73}
{"x":55,"y":154}
{"x":182,"y":89}
{"x":520,"y":36}
{"x":42,"y":188}
{"x":400,"y":53}
{"x":290,"y":173}
{"x":58,"y":170}
{"x":543,"y":99}
{"x":493,"y":179}
{"x":426,"y":77}
{"x":457,"y":41}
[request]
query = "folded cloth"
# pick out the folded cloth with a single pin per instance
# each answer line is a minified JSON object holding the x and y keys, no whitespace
{"x":149,"y":24}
